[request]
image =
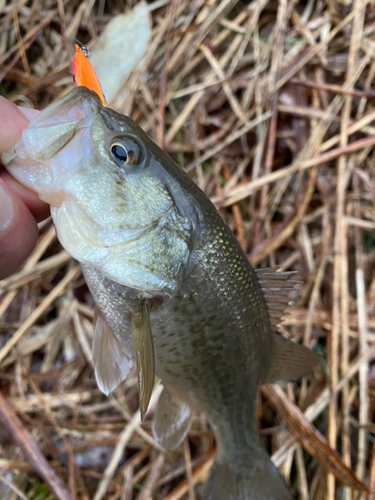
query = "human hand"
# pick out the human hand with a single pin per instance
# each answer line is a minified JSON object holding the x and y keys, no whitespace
{"x":20,"y":209}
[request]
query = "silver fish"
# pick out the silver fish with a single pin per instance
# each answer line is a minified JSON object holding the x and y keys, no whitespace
{"x":167,"y":273}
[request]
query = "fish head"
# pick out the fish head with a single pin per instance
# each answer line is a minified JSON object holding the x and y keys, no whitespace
{"x":116,"y":198}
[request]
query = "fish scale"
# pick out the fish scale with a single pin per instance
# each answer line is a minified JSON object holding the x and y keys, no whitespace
{"x":220,"y":307}
{"x":173,"y":287}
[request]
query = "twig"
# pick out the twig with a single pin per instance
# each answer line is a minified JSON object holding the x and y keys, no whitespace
{"x":123,"y":439}
{"x":311,"y":440}
{"x":31,"y":450}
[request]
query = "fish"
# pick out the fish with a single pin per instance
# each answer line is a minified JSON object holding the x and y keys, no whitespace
{"x":170,"y":281}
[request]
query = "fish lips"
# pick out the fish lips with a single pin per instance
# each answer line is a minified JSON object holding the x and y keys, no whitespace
{"x":38,"y":160}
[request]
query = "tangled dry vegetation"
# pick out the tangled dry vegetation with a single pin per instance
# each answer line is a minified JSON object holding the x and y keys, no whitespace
{"x":270,"y":108}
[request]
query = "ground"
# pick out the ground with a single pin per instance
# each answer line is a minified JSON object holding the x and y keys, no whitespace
{"x":269,"y":106}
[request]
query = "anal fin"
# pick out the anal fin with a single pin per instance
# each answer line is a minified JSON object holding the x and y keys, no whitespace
{"x":172,"y":420}
{"x":291,"y":361}
{"x":111,"y":360}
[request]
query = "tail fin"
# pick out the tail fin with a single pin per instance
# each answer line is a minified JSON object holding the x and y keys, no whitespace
{"x":251,"y":479}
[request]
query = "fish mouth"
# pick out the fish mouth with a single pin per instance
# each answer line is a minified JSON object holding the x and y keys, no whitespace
{"x":37,"y":161}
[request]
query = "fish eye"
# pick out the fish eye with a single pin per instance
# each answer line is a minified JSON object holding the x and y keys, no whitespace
{"x":126,"y":152}
{"x":120,"y":154}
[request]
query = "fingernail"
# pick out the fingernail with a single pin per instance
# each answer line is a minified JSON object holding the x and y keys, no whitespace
{"x":6,"y":209}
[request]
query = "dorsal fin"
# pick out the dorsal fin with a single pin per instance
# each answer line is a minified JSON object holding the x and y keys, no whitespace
{"x":277,"y":287}
{"x":290,"y":361}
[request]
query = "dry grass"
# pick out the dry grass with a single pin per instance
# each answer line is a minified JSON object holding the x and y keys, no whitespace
{"x":270,"y":109}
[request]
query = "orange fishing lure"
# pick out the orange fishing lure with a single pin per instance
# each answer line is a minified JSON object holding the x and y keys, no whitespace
{"x":84,"y":74}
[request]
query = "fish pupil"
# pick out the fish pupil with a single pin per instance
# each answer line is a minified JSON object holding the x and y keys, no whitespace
{"x":119,"y":153}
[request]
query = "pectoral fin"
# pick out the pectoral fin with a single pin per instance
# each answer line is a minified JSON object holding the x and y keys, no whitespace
{"x":172,"y":420}
{"x":111,"y":360}
{"x":144,"y":356}
{"x":291,"y":361}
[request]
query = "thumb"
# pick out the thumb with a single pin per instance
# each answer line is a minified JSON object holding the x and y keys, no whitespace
{"x":18,"y":231}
